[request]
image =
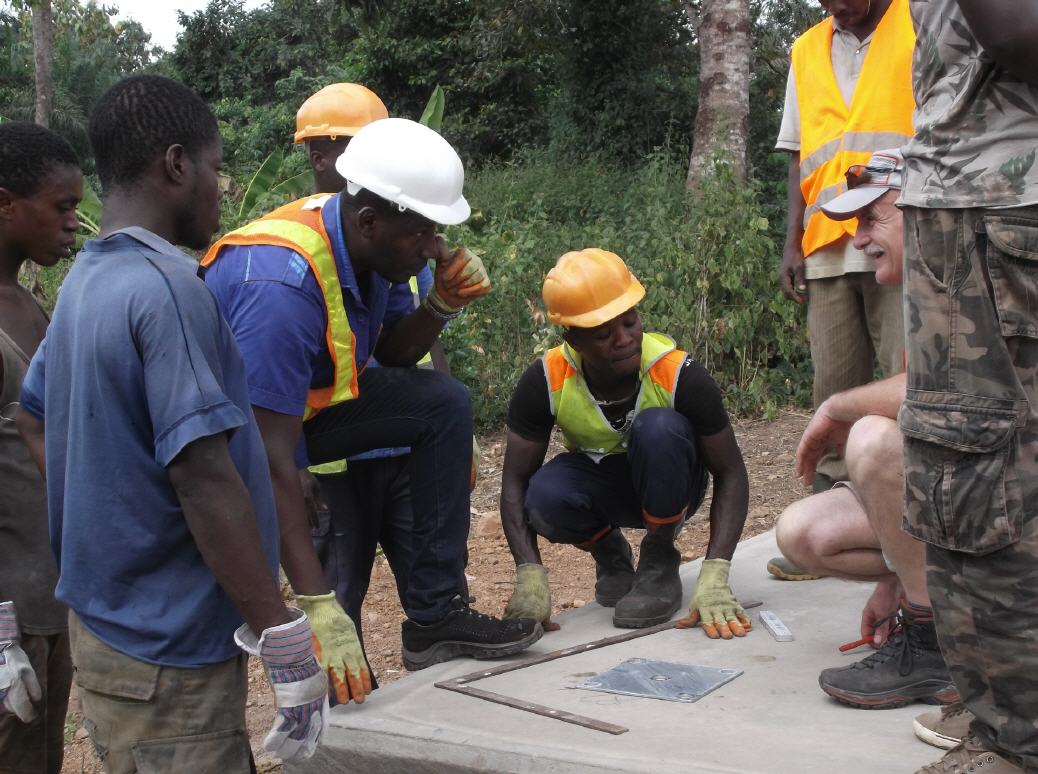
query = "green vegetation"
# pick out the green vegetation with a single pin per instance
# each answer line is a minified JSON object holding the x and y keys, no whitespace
{"x":706,"y":266}
{"x":574,"y":120}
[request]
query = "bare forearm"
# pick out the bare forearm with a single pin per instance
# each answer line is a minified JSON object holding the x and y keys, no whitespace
{"x":881,"y":398}
{"x":795,"y":205}
{"x":298,"y":557}
{"x":1007,"y":30}
{"x":223,"y":524}
{"x":32,"y":431}
{"x":728,"y":513}
{"x":218,"y":510}
{"x":522,"y":541}
{"x":409,"y":339}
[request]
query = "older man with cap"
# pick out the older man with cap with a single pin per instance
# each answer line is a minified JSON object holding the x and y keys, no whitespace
{"x":853,"y":531}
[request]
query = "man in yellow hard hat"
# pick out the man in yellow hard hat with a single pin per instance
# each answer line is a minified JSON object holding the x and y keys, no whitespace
{"x":644,"y":426}
{"x":326,"y":123}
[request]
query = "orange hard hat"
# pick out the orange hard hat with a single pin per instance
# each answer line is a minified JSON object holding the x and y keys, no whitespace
{"x":589,"y":287}
{"x":339,"y":110}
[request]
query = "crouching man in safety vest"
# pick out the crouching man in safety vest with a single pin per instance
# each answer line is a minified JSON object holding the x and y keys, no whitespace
{"x":644,"y":427}
{"x":311,"y":294}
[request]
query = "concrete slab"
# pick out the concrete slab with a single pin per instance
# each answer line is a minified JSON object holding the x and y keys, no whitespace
{"x":771,"y":719}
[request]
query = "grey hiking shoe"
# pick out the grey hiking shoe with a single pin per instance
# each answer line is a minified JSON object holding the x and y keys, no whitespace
{"x":465,"y":632}
{"x":944,"y":729}
{"x":969,"y":756}
{"x":614,"y":568}
{"x":783,"y":569}
{"x":909,"y":667}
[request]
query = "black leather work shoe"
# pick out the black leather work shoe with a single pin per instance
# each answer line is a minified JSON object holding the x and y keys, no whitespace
{"x":465,"y":632}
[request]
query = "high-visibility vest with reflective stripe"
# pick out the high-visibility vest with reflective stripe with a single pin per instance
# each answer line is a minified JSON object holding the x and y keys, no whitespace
{"x":426,"y":361}
{"x":584,"y":427}
{"x":298,"y":226}
{"x":833,"y":136}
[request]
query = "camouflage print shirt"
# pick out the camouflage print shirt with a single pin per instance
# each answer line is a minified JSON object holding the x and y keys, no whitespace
{"x":976,"y":125}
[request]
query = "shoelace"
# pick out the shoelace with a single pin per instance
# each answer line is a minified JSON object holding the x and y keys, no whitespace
{"x":901,"y":643}
{"x":951,"y":710}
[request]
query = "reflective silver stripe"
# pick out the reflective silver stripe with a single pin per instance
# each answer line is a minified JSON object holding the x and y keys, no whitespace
{"x":818,"y":157}
{"x":825,"y":195}
{"x":851,"y":141}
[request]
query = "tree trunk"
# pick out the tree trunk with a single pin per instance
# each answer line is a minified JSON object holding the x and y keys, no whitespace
{"x":43,"y":53}
{"x":722,"y":120}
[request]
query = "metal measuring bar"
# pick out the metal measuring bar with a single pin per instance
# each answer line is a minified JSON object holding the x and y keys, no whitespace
{"x":463,"y":684}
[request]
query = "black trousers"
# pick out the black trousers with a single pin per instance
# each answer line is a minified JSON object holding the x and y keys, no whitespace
{"x":572,"y":498}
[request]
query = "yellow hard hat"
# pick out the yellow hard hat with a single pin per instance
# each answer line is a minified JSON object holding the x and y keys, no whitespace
{"x":589,"y":287}
{"x":339,"y":110}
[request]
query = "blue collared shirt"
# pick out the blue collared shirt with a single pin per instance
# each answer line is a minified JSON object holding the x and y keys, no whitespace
{"x":136,"y":365}
{"x":276,"y":309}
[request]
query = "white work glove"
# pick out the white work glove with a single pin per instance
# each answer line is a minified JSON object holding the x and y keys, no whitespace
{"x":300,"y":686}
{"x":19,"y":687}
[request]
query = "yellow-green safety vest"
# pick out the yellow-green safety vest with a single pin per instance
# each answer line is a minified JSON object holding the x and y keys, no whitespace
{"x":584,"y":427}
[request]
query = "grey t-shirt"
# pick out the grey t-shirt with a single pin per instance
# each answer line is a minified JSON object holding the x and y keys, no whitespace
{"x":976,"y":126}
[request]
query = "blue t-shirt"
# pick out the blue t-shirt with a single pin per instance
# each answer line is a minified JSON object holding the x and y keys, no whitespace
{"x":275,"y":307}
{"x":138,"y":363}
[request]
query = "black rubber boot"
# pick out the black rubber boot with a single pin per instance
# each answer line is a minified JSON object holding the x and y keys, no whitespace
{"x":656,"y":593}
{"x":614,"y":568}
{"x":909,"y":667}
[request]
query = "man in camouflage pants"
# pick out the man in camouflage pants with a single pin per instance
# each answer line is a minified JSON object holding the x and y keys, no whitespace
{"x":970,"y":419}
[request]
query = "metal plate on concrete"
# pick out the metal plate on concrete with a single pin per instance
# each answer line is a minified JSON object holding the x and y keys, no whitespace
{"x":660,"y":680}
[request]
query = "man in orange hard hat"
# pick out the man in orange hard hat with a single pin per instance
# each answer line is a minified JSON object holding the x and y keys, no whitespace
{"x":326,"y":123}
{"x":644,"y":426}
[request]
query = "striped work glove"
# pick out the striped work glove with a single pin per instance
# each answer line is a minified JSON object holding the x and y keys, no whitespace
{"x":19,"y":687}
{"x":300,"y":687}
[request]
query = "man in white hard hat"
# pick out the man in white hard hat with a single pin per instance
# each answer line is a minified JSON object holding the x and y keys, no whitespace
{"x":853,"y":530}
{"x":312,"y":292}
{"x":364,"y":503}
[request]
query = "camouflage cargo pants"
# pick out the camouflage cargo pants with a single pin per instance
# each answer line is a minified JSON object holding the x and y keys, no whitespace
{"x":970,"y":422}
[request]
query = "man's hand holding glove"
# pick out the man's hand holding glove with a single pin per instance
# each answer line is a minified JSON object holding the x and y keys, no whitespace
{"x":714,"y":605}
{"x":531,"y":597}
{"x":460,"y":278}
{"x":19,"y":687}
{"x":300,"y":688}
{"x":337,"y":648}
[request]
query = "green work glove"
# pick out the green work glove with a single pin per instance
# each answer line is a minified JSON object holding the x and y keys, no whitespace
{"x":457,"y":280}
{"x":714,"y":605}
{"x":532,"y":595}
{"x":337,"y":649}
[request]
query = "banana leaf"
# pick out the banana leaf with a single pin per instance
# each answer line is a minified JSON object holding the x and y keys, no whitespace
{"x":261,"y":183}
{"x":433,"y":114}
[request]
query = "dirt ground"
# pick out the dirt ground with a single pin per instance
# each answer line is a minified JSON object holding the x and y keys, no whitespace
{"x":767,"y":448}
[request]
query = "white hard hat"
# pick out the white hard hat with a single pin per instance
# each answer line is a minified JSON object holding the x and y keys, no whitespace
{"x":408,"y":164}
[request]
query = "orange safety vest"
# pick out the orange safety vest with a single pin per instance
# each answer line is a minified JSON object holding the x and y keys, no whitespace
{"x":299,"y":227}
{"x":833,"y":136}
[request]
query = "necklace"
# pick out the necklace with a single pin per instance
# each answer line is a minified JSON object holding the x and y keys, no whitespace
{"x":616,"y":401}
